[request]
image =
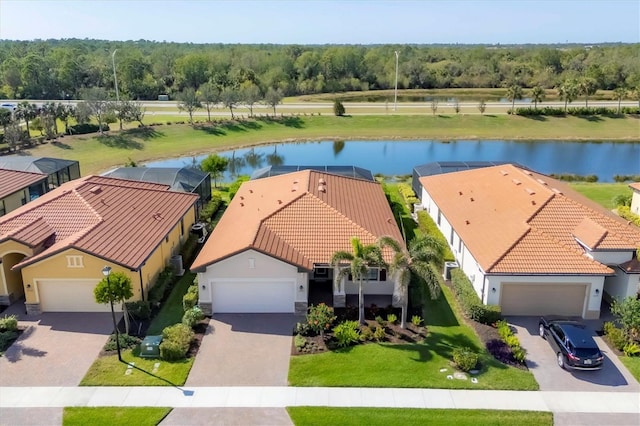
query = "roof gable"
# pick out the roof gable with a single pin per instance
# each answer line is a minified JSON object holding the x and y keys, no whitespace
{"x":12,"y":181}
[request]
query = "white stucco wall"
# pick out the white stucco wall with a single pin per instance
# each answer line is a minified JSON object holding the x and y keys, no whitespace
{"x":251,"y":264}
{"x":610,"y":257}
{"x":370,"y":287}
{"x":635,"y":202}
{"x":622,"y":285}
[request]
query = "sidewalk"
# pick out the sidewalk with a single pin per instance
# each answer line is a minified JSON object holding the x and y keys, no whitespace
{"x":229,"y":397}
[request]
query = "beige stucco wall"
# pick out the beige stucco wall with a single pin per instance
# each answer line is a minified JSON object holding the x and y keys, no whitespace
{"x":10,"y":253}
{"x":14,"y":201}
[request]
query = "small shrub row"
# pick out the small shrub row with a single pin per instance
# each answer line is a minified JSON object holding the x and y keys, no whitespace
{"x":192,"y":316}
{"x":429,"y":227}
{"x":416,"y":320}
{"x":571,"y":177}
{"x":464,"y":358}
{"x":626,"y":178}
{"x":9,"y":323}
{"x":320,"y":318}
{"x":407,"y":193}
{"x":126,"y":342}
{"x":211,"y":208}
{"x":511,"y":340}
{"x":163,"y":282}
{"x":6,"y":338}
{"x":189,"y":248}
{"x":347,"y":333}
{"x":619,"y":339}
{"x":140,"y":309}
{"x":176,"y":341}
{"x":625,"y":213}
{"x":471,"y":304}
{"x":235,"y":186}
{"x":81,"y":129}
{"x":574,"y":111}
{"x":190,"y":298}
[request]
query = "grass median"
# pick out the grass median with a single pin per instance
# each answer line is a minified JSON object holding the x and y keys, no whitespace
{"x":100,"y":153}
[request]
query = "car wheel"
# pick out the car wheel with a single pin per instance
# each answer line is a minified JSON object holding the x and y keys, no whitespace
{"x":541,"y":330}
{"x":560,"y":360}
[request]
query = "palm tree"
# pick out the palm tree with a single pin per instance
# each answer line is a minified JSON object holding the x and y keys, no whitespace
{"x":635,"y":93}
{"x":537,"y":94}
{"x":5,"y":118}
{"x":26,"y":111}
{"x":587,"y":86}
{"x":619,"y":93}
{"x":416,"y":261}
{"x":514,"y":92}
{"x":568,"y":92}
{"x":359,"y":262}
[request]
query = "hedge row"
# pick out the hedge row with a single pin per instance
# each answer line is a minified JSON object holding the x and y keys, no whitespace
{"x":625,"y":213}
{"x":81,"y":129}
{"x":211,"y":208}
{"x":471,"y":304}
{"x":408,"y":194}
{"x":572,"y":177}
{"x":575,"y":111}
{"x":156,"y":294}
{"x":429,"y":227}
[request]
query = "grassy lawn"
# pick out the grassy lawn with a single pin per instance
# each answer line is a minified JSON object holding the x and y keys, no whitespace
{"x":113,"y":416}
{"x":99,"y":153}
{"x":633,"y":365}
{"x":602,"y":193}
{"x":410,"y":365}
{"x":302,"y":416}
{"x":171,"y":311}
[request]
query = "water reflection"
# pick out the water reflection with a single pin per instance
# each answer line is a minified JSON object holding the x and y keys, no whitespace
{"x":604,"y":159}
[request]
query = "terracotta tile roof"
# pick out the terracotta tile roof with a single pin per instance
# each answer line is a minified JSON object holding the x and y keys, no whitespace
{"x":122,"y":221}
{"x":635,"y":185}
{"x":301,"y":218}
{"x":516,"y":221}
{"x":631,"y":267}
{"x":12,"y":181}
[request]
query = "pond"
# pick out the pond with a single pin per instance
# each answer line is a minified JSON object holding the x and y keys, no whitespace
{"x":604,"y":159}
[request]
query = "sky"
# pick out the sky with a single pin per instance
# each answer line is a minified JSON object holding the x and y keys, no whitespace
{"x":326,"y":22}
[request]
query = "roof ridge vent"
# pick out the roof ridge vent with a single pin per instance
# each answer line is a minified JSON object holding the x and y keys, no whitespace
{"x":504,"y":172}
{"x":321,"y":181}
{"x":459,"y":192}
{"x":294,"y":188}
{"x":556,"y":190}
{"x":527,"y":172}
{"x":516,"y":181}
{"x":279,"y":201}
{"x":95,"y":189}
{"x":541,"y":181}
{"x":471,"y":198}
{"x":530,"y":191}
{"x":467,"y":222}
{"x":322,"y":188}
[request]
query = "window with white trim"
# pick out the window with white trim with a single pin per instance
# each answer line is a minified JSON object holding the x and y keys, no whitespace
{"x":74,"y":262}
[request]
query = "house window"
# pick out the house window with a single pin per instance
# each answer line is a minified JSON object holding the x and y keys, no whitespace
{"x":3,"y":209}
{"x":166,"y":239}
{"x":459,"y":245}
{"x":451,"y":237}
{"x":74,"y":262}
{"x":321,"y":273}
{"x":252,"y":263}
{"x":439,"y":215}
{"x":181,"y":227}
{"x":372,"y":274}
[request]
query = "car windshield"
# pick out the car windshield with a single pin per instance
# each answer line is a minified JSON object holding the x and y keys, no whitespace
{"x":586,"y":352}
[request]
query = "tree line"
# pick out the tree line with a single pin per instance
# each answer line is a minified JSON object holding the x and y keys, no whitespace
{"x":63,"y":69}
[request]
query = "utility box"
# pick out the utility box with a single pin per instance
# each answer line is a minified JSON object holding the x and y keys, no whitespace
{"x":150,"y":347}
{"x":448,"y":266}
{"x":163,"y":97}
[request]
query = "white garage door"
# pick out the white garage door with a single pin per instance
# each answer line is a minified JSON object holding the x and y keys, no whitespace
{"x":253,"y":296}
{"x":70,"y":296}
{"x":543,"y":299}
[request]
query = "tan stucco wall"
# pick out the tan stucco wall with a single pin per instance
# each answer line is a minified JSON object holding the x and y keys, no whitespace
{"x":14,"y":201}
{"x":10,"y":251}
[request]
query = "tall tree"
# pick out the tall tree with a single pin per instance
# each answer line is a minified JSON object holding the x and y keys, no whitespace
{"x":273,"y":98}
{"x":12,"y":76}
{"x":209,"y":96}
{"x":357,"y":264}
{"x":537,"y":94}
{"x":215,"y":165}
{"x":416,"y":260}
{"x":619,"y":94}
{"x":230,"y":98}
{"x":635,"y":93}
{"x":115,"y":288}
{"x":514,"y":92}
{"x":189,"y":102}
{"x":587,"y":87}
{"x":26,"y":111}
{"x":250,"y":95}
{"x":98,"y":103}
{"x":568,"y":92}
{"x":6,"y":117}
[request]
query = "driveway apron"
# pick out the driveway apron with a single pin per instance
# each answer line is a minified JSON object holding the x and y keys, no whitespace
{"x":244,"y":350}
{"x":541,"y":360}
{"x":56,"y":349}
{"x":227,"y":417}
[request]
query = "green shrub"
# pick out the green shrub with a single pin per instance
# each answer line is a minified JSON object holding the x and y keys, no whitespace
{"x":81,"y":129}
{"x":470,"y":302}
{"x":235,"y":186}
{"x":301,"y":328}
{"x":607,"y":327}
{"x":631,"y":349}
{"x":381,"y":321}
{"x":407,"y":193}
{"x":366,"y":334}
{"x":338,"y":108}
{"x":416,"y":320}
{"x":163,"y":282}
{"x":172,"y":351}
{"x":190,"y":298}
{"x":347,"y":333}
{"x":379,"y":334}
{"x":625,"y":213}
{"x":139,"y":309}
{"x":464,"y":358}
{"x":6,"y":337}
{"x":126,"y":342}
{"x":512,"y":341}
{"x":617,"y":338}
{"x":519,"y":354}
{"x":320,"y":318}
{"x":429,"y":227}
{"x":189,"y":248}
{"x":176,"y":340}
{"x":192,"y":316}
{"x":299,"y":342}
{"x":503,"y":329}
{"x":392,"y":318}
{"x":211,"y":208}
{"x":9,"y":323}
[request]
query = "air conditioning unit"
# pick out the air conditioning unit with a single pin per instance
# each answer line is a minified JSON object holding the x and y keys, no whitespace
{"x":448,"y":266}
{"x":176,"y":265}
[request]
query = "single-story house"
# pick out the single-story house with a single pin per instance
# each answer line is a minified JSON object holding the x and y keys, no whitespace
{"x":18,"y":188}
{"x":185,"y":179}
{"x":635,"y":198}
{"x":53,"y":249}
{"x":348,"y":171}
{"x":271,"y":250}
{"x":530,"y":243}
{"x":58,"y":170}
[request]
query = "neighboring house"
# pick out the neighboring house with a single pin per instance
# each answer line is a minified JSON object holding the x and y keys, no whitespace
{"x":58,"y":171}
{"x":184,"y":179}
{"x":635,"y":198}
{"x":530,"y":243}
{"x":271,"y":250}
{"x":18,"y":188}
{"x":348,"y":171}
{"x":54,"y":248}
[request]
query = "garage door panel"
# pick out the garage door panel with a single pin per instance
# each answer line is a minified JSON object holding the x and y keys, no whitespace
{"x":253,"y":297}
{"x":543,"y":299}
{"x":70,"y":296}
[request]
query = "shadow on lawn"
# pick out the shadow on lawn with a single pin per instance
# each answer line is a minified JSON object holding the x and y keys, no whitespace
{"x":186,"y":392}
{"x":119,"y":140}
{"x":439,"y":343}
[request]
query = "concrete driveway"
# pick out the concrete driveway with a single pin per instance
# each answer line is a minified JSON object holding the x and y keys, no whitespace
{"x":541,"y":360}
{"x":56,"y":349}
{"x":244,"y":350}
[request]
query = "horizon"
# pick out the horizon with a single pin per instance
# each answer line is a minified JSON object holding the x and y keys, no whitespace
{"x":325,"y":22}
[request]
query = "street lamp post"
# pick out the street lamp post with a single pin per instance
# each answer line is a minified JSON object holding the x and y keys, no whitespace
{"x":106,"y":271}
{"x":395,"y":97}
{"x":115,"y":78}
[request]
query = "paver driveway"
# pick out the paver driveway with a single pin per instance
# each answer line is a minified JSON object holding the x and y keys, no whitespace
{"x":56,"y":349}
{"x":541,"y":359}
{"x":244,"y":350}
